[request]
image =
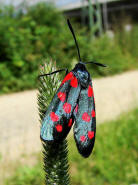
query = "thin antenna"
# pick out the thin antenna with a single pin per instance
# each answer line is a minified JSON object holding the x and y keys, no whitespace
{"x":71,"y":29}
{"x":96,"y":63}
{"x":53,"y":73}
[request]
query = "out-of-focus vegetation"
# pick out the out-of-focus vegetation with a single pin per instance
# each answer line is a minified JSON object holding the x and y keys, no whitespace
{"x":114,"y":160}
{"x":26,"y":38}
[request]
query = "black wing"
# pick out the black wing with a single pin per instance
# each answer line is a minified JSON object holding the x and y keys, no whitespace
{"x":85,"y":121}
{"x":58,"y":118}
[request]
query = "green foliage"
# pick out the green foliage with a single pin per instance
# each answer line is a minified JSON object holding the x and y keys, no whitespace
{"x":27,"y":176}
{"x":115,"y":155}
{"x":55,"y":155}
{"x":27,"y":38}
{"x":105,"y":50}
{"x":127,"y":40}
{"x":113,"y":162}
{"x":24,"y":40}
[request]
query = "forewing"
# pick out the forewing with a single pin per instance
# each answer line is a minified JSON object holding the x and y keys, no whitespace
{"x":58,"y":118}
{"x":85,"y":121}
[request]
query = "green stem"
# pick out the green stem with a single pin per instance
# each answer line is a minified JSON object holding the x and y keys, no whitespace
{"x":56,"y":163}
{"x":55,"y":155}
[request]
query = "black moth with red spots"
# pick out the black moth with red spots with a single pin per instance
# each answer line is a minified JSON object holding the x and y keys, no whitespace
{"x":73,"y":103}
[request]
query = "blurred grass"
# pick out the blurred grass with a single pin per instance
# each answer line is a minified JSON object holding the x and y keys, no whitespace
{"x":114,"y":160}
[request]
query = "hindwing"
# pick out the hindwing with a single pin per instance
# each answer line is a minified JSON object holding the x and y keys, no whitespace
{"x":85,"y":121}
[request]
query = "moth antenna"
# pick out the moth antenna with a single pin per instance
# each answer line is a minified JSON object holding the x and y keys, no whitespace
{"x":96,"y":63}
{"x":71,"y":29}
{"x":53,"y":73}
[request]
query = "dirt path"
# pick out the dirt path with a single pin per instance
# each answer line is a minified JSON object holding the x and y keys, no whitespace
{"x":19,"y":125}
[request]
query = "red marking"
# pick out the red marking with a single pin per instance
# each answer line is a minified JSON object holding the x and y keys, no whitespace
{"x":59,"y":128}
{"x":74,"y":82}
{"x":82,"y":138}
{"x":86,"y":117}
{"x":61,"y":96}
{"x":90,"y":134}
{"x":93,"y":113}
{"x":90,"y":91}
{"x":67,"y":107}
{"x":54,"y":117}
{"x":76,"y":108}
{"x":69,"y":76}
{"x":70,"y":122}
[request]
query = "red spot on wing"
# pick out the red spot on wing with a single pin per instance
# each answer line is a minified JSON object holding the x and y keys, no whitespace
{"x":61,"y":96}
{"x":59,"y":128}
{"x":90,"y":134}
{"x":76,"y":108}
{"x":74,"y":82}
{"x":86,"y":117}
{"x":82,"y":138}
{"x":69,"y":76}
{"x":93,"y":113}
{"x":90,"y":91}
{"x":67,"y":107}
{"x":54,"y":117}
{"x":70,"y":122}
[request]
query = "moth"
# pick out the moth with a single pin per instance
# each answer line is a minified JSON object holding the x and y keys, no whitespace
{"x":73,"y":103}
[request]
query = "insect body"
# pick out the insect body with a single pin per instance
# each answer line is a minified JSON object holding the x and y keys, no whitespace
{"x":73,"y":102}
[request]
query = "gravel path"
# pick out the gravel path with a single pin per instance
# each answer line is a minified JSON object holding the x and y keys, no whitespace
{"x":19,"y":125}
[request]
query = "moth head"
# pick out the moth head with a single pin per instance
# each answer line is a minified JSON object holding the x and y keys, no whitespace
{"x":82,"y":74}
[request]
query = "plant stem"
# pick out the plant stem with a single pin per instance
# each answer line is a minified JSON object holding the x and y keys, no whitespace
{"x":55,"y":155}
